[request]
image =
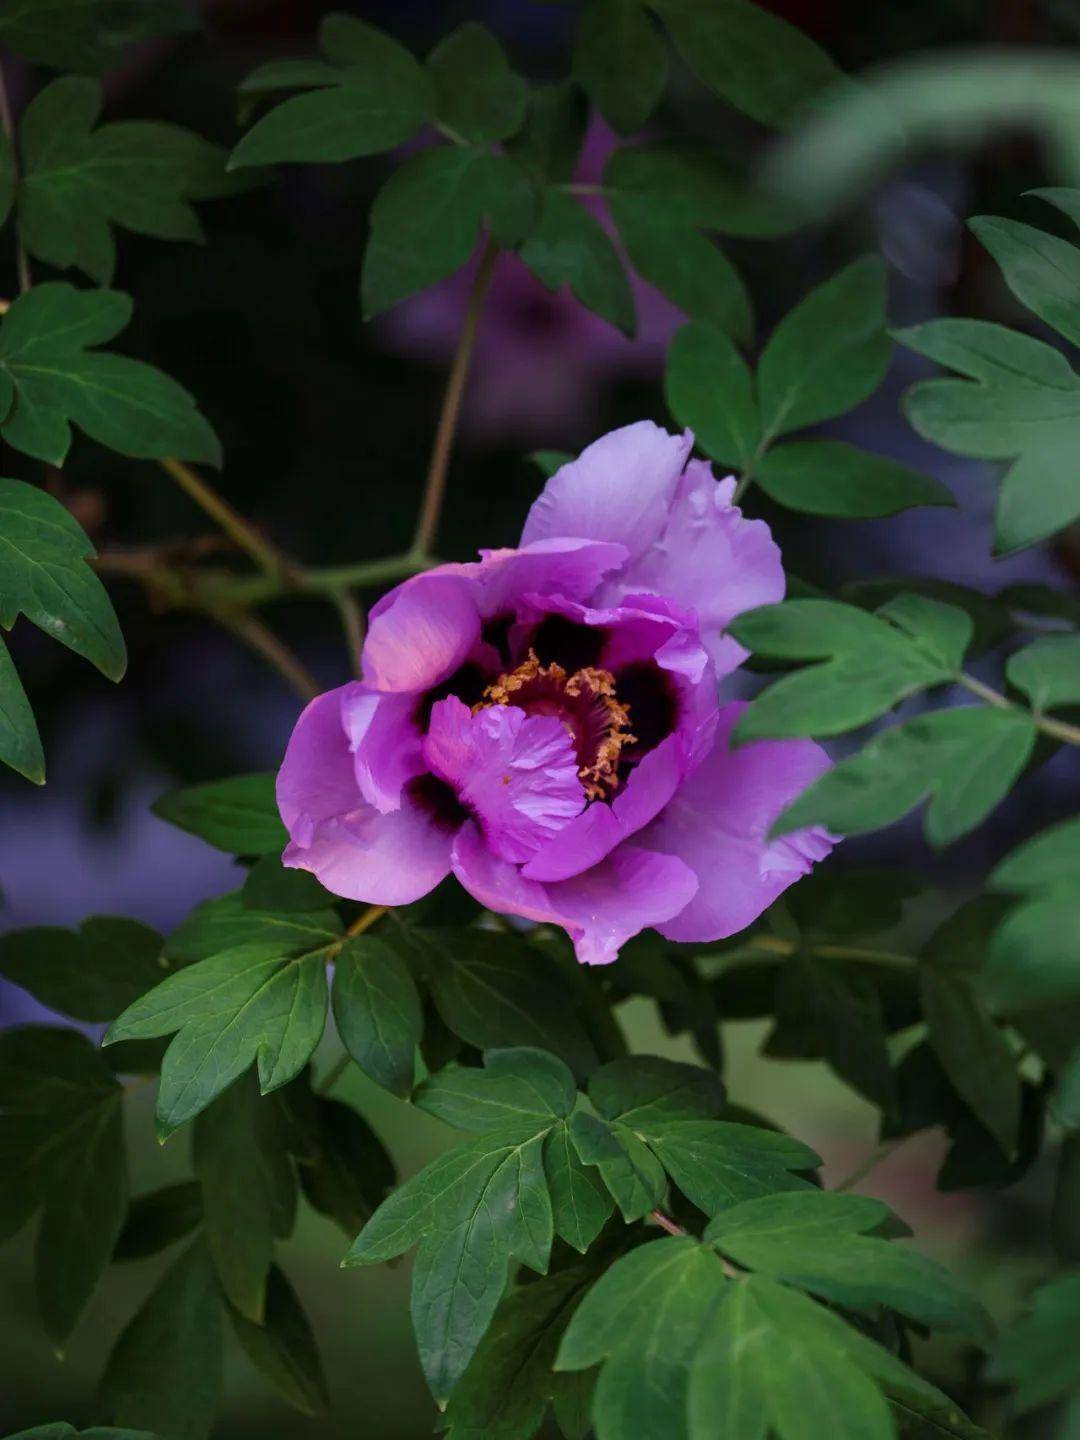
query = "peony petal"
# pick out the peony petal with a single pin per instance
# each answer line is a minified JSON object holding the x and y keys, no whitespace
{"x":600,"y":910}
{"x":355,"y":851}
{"x":516,"y":773}
{"x":385,"y":741}
{"x":569,"y":567}
{"x":597,"y":830}
{"x":421,"y":632}
{"x":708,"y":558}
{"x":619,"y":488}
{"x":719,"y":823}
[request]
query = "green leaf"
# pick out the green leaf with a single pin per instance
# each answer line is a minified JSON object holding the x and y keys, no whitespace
{"x":1034,"y":957}
{"x":817,"y":1240}
{"x":425,"y":220}
{"x":509,"y":1383}
{"x":7,"y":177}
{"x":1037,"y":1356}
{"x":87,"y":35}
{"x":270,"y":886}
{"x":870,"y":664}
{"x":238,"y":815}
{"x":1041,"y":270}
{"x":516,"y":1087}
{"x":716,"y":1163}
{"x":62,"y":1143}
{"x":20,"y":743}
{"x":158,"y":1218}
{"x":1048,"y":671}
{"x":568,"y":247}
{"x":1050,"y":857}
{"x":1020,"y":402}
{"x":165,"y":1369}
{"x":828,"y":477}
{"x":226,"y":922}
{"x":59,"y":381}
{"x":548,"y":461}
{"x":372,"y":96}
{"x":644,"y":1318}
{"x":350,"y":1172}
{"x":548,"y":144}
{"x":91,"y":973}
{"x":829,"y":353}
{"x":621,"y":61}
{"x":250,"y":1003}
{"x":494,"y":991}
{"x":641,"y":1090}
{"x":581,"y":1203}
{"x":378,"y":1012}
{"x":45,"y":576}
{"x":78,"y":182}
{"x":709,"y":388}
{"x":476,"y":92}
{"x":756,"y":61}
{"x":1065,"y":1215}
{"x":631,"y":1172}
{"x":965,"y":760}
{"x":472,"y":1210}
{"x":283,"y":1349}
{"x":248,"y":1191}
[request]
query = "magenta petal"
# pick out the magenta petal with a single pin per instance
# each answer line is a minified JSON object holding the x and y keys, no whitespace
{"x":569,"y":567}
{"x":600,"y":910}
{"x":596,"y":831}
{"x":421,"y":632}
{"x":385,"y":741}
{"x":619,"y":488}
{"x":356,"y":852}
{"x":516,"y":773}
{"x":710,"y":559}
{"x":719,"y":823}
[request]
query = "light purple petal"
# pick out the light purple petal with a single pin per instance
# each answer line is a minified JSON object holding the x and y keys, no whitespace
{"x":600,"y":910}
{"x":708,"y":558}
{"x":385,"y":741}
{"x":421,"y":632}
{"x":719,"y":823}
{"x":516,"y":773}
{"x":388,"y":859}
{"x":569,"y":567}
{"x":597,"y":830}
{"x":619,"y":488}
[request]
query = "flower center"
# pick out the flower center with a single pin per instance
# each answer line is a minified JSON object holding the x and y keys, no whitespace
{"x":585,"y":702}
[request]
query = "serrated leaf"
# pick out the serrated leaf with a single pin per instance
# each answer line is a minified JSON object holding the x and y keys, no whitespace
{"x":817,"y":1240}
{"x":494,"y":991}
{"x":644,"y":1318}
{"x":754,"y":59}
{"x":425,"y":220}
{"x":828,"y":477}
{"x":630,"y":1171}
{"x":58,"y":381}
{"x":62,"y":1142}
{"x":45,"y":576}
{"x":516,"y":1087}
{"x":372,"y":96}
{"x":827,"y":354}
{"x":709,"y":388}
{"x":1042,"y":271}
{"x":79,"y":181}
{"x":509,"y":1383}
{"x":283,"y":1349}
{"x":568,"y":247}
{"x":621,"y":61}
{"x":1047,"y":671}
{"x":248,"y":1191}
{"x":716,"y":1163}
{"x":238,"y":815}
{"x":642,"y":1090}
{"x":164,"y":1371}
{"x":158,"y":1219}
{"x":225,"y":922}
{"x":87,"y":35}
{"x":378,"y":1011}
{"x":476,"y":92}
{"x":870,"y":665}
{"x":249,"y":1004}
{"x":580,"y":1201}
{"x":965,"y":760}
{"x":91,"y":973}
{"x":1020,"y":402}
{"x":1037,"y":1356}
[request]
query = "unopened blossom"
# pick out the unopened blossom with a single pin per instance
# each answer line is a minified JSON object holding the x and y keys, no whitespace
{"x":546,"y":723}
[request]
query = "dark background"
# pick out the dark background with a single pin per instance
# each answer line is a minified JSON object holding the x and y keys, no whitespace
{"x":327,"y":425}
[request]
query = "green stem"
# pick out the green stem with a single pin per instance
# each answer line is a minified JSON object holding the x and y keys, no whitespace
{"x":1057,"y":729}
{"x":243,"y":535}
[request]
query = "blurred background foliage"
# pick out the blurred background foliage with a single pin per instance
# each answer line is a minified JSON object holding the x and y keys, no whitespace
{"x":326,"y":425}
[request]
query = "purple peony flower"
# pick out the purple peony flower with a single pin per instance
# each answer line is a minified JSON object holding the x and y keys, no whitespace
{"x":545,"y":723}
